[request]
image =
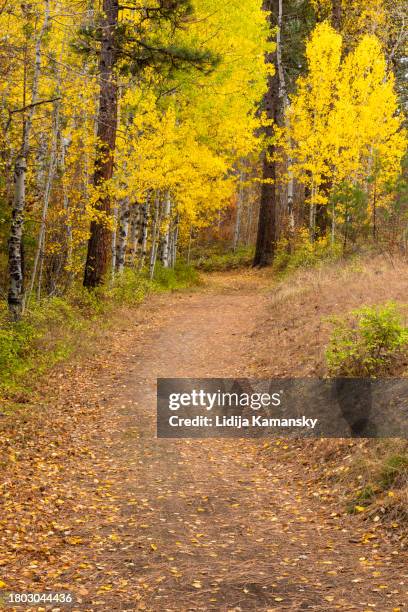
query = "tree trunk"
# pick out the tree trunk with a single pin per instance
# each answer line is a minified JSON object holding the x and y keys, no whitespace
{"x":97,"y":260}
{"x":114,"y":240}
{"x":155,"y":235}
{"x":122,"y":235}
{"x":15,"y":294}
{"x":240,"y":202}
{"x":15,"y":247}
{"x":337,"y":14}
{"x":284,"y":105}
{"x":166,"y":235}
{"x":144,"y":222}
{"x":39,"y":256}
{"x":174,"y":243}
{"x":266,"y":238}
{"x":190,"y":240}
{"x":133,"y":234}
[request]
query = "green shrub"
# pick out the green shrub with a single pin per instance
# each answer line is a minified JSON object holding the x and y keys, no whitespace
{"x":215,"y":261}
{"x":16,"y":340}
{"x":372,"y":343}
{"x":92,"y":303}
{"x":301,"y":253}
{"x":48,"y":333}
{"x":173,"y":279}
{"x":130,"y":287}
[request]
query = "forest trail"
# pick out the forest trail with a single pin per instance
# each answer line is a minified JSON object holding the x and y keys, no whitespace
{"x":177,"y":525}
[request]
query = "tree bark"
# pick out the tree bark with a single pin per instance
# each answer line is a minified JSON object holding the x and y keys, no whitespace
{"x":284,"y":105}
{"x":337,"y":14}
{"x":266,"y":238}
{"x":114,"y":240}
{"x":155,"y":236}
{"x":166,"y":236}
{"x":121,"y":243}
{"x":134,"y":233}
{"x":97,"y":260}
{"x":15,"y":246}
{"x":144,"y":222}
{"x":240,"y":202}
{"x":175,"y":242}
{"x":39,"y":256}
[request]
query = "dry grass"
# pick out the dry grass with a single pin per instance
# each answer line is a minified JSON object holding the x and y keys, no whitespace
{"x":292,"y":343}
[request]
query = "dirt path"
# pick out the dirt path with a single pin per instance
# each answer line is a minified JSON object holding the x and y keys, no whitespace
{"x":166,"y":525}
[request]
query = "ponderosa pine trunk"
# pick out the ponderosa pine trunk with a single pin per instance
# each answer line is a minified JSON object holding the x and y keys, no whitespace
{"x":266,"y":237}
{"x":97,"y":260}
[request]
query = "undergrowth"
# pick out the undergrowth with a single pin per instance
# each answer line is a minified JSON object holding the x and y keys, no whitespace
{"x":220,"y":260}
{"x":377,"y":482}
{"x":373,"y":341}
{"x":300,"y":252}
{"x":52,"y":327}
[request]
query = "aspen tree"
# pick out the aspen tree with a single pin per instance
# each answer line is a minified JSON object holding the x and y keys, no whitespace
{"x":16,"y":277}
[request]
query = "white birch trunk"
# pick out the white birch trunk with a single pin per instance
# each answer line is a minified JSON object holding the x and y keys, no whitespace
{"x":122,"y":235}
{"x":133,"y":234}
{"x":155,"y":235}
{"x":175,"y":240}
{"x":64,"y":146}
{"x":16,"y":280}
{"x":143,"y":232}
{"x":166,"y":235}
{"x":39,"y":256}
{"x":114,"y":241}
{"x":312,"y":216}
{"x":190,"y":240}
{"x":240,"y":202}
{"x":249,"y":223}
{"x":285,"y":99}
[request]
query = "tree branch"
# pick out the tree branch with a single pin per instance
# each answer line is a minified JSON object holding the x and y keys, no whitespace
{"x":28,"y":107}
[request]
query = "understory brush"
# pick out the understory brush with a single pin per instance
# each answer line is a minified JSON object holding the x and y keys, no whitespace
{"x":372,"y":341}
{"x":300,"y":252}
{"x":375,"y":480}
{"x":178,"y":278}
{"x":217,"y":259}
{"x":53,"y":327}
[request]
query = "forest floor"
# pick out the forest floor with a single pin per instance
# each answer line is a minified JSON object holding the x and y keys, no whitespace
{"x":95,"y":504}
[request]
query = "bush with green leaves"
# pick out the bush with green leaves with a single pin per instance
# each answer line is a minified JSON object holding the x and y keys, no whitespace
{"x":182,"y":276}
{"x":300,"y":252}
{"x":217,"y":260}
{"x":372,"y":342}
{"x":49,"y":330}
{"x":130,"y":287}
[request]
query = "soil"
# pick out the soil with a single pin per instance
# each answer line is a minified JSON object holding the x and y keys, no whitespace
{"x":130,"y":522}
